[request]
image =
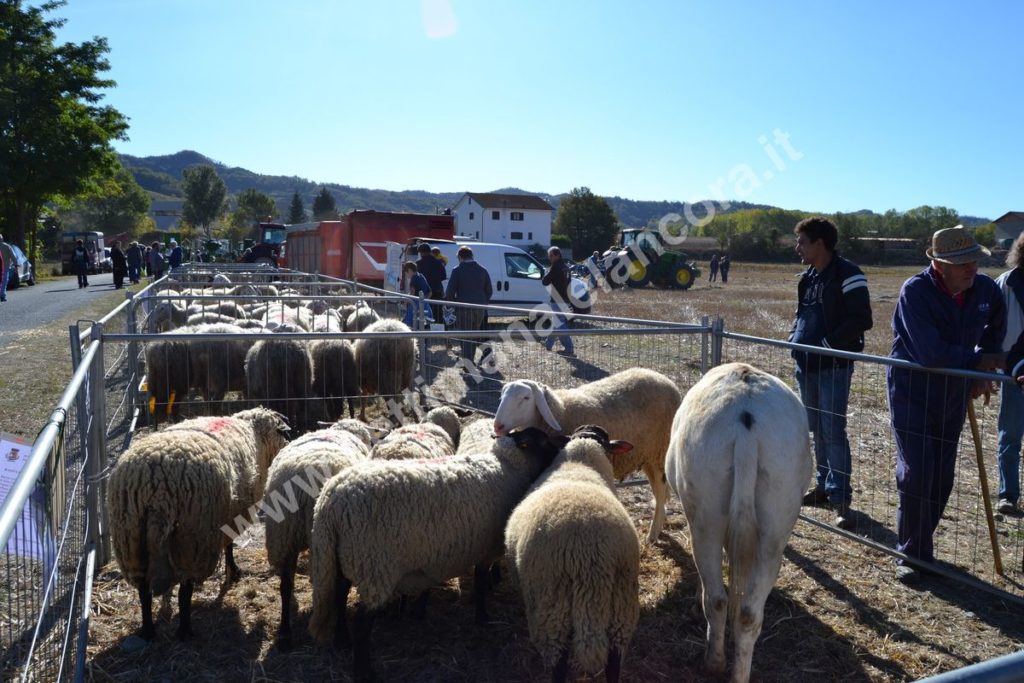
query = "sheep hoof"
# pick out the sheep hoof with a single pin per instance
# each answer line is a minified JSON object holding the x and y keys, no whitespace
{"x":714,"y":664}
{"x":284,"y":642}
{"x":184,"y":633}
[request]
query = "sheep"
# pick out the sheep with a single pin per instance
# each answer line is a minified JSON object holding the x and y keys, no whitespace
{"x":209,"y":317}
{"x":740,"y":461}
{"x":327,"y":321}
{"x":165,"y":316}
{"x":167,"y":373}
{"x":435,"y":436}
{"x":220,"y":278}
{"x":279,"y":375}
{"x":218,"y":366}
{"x":577,"y":556}
{"x":298,"y":473}
{"x":384,"y":366}
{"x":225,"y":308}
{"x":173,"y":493}
{"x":361,"y":317}
{"x":636,"y":405}
{"x":397,"y":527}
{"x":334,"y":376}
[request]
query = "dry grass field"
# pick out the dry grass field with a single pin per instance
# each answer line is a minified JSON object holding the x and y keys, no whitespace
{"x":836,"y":612}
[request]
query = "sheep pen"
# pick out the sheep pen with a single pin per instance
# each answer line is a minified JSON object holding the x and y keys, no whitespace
{"x":834,"y":608}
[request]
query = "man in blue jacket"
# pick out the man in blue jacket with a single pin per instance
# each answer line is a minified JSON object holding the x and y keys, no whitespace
{"x":947,"y":316}
{"x":833,"y":312}
{"x":471,"y":284}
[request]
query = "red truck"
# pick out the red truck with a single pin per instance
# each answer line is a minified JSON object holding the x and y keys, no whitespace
{"x":355,"y":247}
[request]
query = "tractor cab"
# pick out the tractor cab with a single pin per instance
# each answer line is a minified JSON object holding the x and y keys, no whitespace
{"x":645,"y":258}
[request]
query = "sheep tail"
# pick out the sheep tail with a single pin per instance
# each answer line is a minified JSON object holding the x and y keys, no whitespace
{"x":742,"y":531}
{"x":323,"y":575}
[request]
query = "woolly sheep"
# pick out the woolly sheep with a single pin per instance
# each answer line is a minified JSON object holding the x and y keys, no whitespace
{"x":636,"y":405}
{"x":172,"y":494}
{"x":397,"y":527}
{"x":361,"y":317}
{"x":577,"y":556}
{"x":434,"y":437}
{"x":209,"y":317}
{"x":384,"y":366}
{"x":218,"y":366}
{"x":167,"y":373}
{"x":739,"y":460}
{"x":165,"y":316}
{"x":298,"y":473}
{"x":279,"y":376}
{"x":225,"y":308}
{"x":334,"y":377}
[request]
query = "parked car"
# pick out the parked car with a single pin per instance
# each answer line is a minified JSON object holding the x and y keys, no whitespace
{"x":105,"y":264}
{"x":21,"y":270}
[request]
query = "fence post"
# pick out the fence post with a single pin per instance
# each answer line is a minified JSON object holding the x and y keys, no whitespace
{"x":716,"y":342}
{"x":97,"y":464}
{"x":131,"y":327}
{"x":704,"y":344}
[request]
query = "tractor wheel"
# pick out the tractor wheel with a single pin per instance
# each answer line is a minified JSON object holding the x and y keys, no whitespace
{"x":682,"y":278}
{"x":639,"y":274}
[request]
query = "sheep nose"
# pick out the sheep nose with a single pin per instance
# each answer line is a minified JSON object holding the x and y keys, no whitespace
{"x":499,"y":428}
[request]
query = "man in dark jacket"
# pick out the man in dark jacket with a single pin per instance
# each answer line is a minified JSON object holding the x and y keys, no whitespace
{"x":433,"y":269}
{"x":133,"y":256}
{"x":557,"y":279}
{"x":469,"y":284}
{"x":947,"y":316}
{"x":118,"y":264}
{"x":177,"y":256}
{"x":833,"y":312}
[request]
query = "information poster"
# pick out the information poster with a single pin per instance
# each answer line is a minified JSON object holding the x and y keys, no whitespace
{"x":32,"y":537}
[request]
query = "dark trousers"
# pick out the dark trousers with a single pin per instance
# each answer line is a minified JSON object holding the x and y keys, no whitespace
{"x":119,"y":274}
{"x":436,"y":308}
{"x":469,"y":319}
{"x":81,"y":270}
{"x":926,"y":447}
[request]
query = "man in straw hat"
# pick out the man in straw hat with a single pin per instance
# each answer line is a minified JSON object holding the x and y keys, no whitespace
{"x":947,"y":316}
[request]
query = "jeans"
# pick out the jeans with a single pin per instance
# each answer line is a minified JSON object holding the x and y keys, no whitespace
{"x":133,"y":274}
{"x":825,"y":393}
{"x":560,"y":322}
{"x":1011,"y":430}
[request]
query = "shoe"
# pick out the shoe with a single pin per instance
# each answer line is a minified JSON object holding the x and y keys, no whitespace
{"x":568,"y":353}
{"x":908,"y":576}
{"x":1006,"y":506}
{"x":844,"y":520}
{"x":815,"y":497}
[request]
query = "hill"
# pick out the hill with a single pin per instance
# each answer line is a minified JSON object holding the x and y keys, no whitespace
{"x":160,"y":176}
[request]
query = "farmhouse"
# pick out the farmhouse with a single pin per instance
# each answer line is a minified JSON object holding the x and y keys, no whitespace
{"x":515,"y":219}
{"x":1009,"y":225}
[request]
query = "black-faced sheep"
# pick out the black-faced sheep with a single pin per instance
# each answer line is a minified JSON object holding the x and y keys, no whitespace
{"x":739,"y":460}
{"x":384,"y":366}
{"x":334,"y":377}
{"x":296,"y":477}
{"x":636,"y":405}
{"x":395,"y":527}
{"x":173,"y":493}
{"x":577,"y":556}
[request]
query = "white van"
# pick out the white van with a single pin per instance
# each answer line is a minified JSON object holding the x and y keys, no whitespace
{"x":515,"y":274}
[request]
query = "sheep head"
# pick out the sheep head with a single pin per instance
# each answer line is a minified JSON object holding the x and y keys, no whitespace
{"x":523,"y":404}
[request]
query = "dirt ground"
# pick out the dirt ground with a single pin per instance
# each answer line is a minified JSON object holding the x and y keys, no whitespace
{"x":836,"y":612}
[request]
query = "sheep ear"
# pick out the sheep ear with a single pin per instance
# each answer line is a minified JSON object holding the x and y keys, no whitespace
{"x":543,"y":407}
{"x":619,"y":447}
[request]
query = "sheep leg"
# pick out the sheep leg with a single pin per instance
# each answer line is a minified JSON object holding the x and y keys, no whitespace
{"x":146,"y":600}
{"x":481,"y":581}
{"x":185,"y":609}
{"x":351,"y":407}
{"x":284,"y":632}
{"x":362,"y":669}
{"x":613,"y":668}
{"x":419,"y":607}
{"x":230,"y":568}
{"x":707,"y":533}
{"x":561,"y":671}
{"x":495,"y":573}
{"x":659,"y":487}
{"x":341,"y":637}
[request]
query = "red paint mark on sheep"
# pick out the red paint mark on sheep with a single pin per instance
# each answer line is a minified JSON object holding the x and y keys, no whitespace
{"x":218,"y":425}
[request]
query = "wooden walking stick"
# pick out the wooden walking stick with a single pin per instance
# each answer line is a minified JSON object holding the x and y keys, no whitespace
{"x":984,"y":489}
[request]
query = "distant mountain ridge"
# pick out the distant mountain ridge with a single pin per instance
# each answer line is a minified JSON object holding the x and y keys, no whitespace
{"x":161,"y":177}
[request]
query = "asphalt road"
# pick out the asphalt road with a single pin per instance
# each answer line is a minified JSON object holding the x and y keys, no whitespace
{"x":30,"y":307}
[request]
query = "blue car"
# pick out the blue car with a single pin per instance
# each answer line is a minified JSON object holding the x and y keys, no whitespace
{"x":21,"y":270}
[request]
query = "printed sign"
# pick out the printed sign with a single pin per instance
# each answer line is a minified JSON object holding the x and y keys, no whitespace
{"x":31,"y":537}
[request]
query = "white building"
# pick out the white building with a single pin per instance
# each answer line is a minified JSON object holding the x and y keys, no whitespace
{"x":516,"y":219}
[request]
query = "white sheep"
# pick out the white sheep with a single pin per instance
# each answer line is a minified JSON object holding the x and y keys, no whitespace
{"x":384,"y":366}
{"x":172,"y":494}
{"x":577,"y":556}
{"x":434,"y":437}
{"x":296,"y":477}
{"x":635,"y":405}
{"x":360,"y":317}
{"x":395,"y":527}
{"x":740,"y":461}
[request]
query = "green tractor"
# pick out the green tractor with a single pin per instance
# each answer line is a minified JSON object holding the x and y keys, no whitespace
{"x":665,"y":266}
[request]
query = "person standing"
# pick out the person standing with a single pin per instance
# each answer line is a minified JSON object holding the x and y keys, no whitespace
{"x":470,"y":284}
{"x":80,"y":258}
{"x":431,"y":268}
{"x":133,"y":257}
{"x":7,"y":254}
{"x":156,"y":261}
{"x":833,"y":312}
{"x":723,"y":267}
{"x":415,"y":284}
{"x":176,"y":256}
{"x":557,"y":280}
{"x":119,"y":264}
{"x":1011,"y":403}
{"x":713,"y":267}
{"x":947,"y":316}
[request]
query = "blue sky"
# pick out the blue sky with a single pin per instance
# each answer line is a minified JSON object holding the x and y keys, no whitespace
{"x":823,"y":106}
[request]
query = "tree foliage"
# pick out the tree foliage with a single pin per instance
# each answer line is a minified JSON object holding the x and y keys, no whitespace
{"x":324,"y":206}
{"x":54,"y":134}
{"x":204,"y":197}
{"x":296,"y":210}
{"x":587,"y":220}
{"x":253,"y":207}
{"x":113,"y":204}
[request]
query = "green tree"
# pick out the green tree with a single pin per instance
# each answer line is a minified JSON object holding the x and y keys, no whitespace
{"x":204,"y":197}
{"x":297,"y":210}
{"x":588,"y":221}
{"x":324,"y":206}
{"x":54,"y":134}
{"x":253,"y":207}
{"x":112,"y":204}
{"x":986,"y":234}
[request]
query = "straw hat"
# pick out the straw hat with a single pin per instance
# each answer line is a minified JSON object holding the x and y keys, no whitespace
{"x":955,"y":245}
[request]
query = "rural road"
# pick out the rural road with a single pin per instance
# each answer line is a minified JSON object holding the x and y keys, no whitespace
{"x":27,"y":308}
